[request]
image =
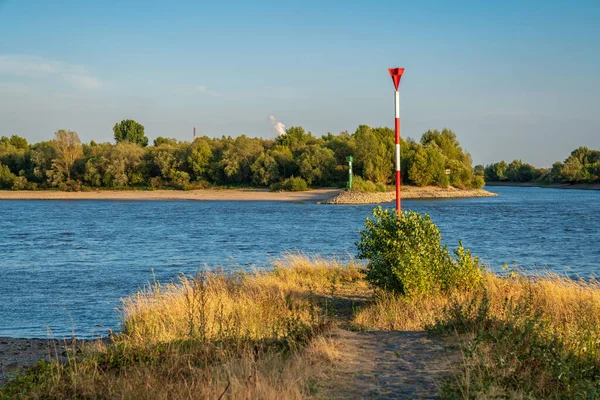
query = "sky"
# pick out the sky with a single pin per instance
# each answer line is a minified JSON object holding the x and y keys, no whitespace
{"x":513,"y":79}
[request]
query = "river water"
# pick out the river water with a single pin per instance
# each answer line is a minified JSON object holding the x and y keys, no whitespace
{"x":64,"y":265}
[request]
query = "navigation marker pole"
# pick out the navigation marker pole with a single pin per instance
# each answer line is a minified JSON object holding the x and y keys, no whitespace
{"x":396,"y":74}
{"x":349,"y":159}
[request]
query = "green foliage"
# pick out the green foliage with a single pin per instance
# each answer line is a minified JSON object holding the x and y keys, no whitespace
{"x":7,"y":178}
{"x":131,"y":131}
{"x":518,"y":350}
{"x":199,"y":158}
{"x":240,"y":161}
{"x":292,"y":184}
{"x":374,"y":153}
{"x":316,"y":164}
{"x":406,"y":256}
{"x":361,"y":185}
{"x":161,"y":140}
{"x":265,"y":170}
{"x":582,"y":166}
{"x":67,"y":150}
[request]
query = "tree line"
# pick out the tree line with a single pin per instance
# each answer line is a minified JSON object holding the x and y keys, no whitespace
{"x":296,"y":158}
{"x":582,"y":166}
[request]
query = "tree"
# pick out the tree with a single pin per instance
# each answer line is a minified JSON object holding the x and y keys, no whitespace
{"x":239,"y":156}
{"x":68,"y":149}
{"x":16,"y":141}
{"x":129,"y":130}
{"x":496,"y":172}
{"x":374,"y":157}
{"x":316,"y":165}
{"x":419,"y":172}
{"x":265,"y":170}
{"x":573,"y":171}
{"x":162,"y":140}
{"x":199,"y":158}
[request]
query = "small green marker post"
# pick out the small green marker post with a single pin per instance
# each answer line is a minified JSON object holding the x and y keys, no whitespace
{"x":349,"y":159}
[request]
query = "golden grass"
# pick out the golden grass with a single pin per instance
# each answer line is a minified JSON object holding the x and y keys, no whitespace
{"x":264,"y":334}
{"x":252,"y":335}
{"x":523,"y":337}
{"x":569,"y":305}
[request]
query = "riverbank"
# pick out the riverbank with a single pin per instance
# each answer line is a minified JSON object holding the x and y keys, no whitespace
{"x":313,"y":328}
{"x":17,"y":354}
{"x":323,"y":196}
{"x":407,"y":192}
{"x":315,"y":195}
{"x":575,"y":186}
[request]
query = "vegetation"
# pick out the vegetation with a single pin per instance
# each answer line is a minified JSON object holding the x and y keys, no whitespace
{"x":361,"y":185}
{"x":66,"y":163}
{"x":254,"y":335}
{"x":582,"y":166}
{"x":406,"y":256}
{"x":266,"y":334}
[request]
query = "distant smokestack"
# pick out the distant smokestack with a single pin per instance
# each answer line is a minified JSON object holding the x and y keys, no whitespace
{"x":194,"y":133}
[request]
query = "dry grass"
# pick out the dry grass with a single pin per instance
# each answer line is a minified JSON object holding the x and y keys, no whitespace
{"x":255,"y":335}
{"x":568,"y":304}
{"x":522,"y":337}
{"x":265,"y":335}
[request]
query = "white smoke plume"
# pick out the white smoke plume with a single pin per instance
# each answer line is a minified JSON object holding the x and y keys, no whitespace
{"x":278,"y":127}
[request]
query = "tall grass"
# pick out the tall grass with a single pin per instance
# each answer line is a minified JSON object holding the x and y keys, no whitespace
{"x":522,"y":337}
{"x":252,"y":335}
{"x":264,"y":334}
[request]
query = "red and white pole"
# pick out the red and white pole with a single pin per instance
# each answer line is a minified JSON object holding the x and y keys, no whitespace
{"x":396,"y":74}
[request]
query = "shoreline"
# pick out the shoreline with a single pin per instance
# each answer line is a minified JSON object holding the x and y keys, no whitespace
{"x":319,"y":196}
{"x":408,"y":192}
{"x":568,"y":186}
{"x":19,"y":354}
{"x":315,"y":195}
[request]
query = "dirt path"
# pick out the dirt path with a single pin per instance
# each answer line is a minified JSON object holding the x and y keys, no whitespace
{"x":391,"y":365}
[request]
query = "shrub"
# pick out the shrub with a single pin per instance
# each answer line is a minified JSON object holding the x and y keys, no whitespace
{"x":406,"y":255}
{"x":7,"y":178}
{"x":478,"y":182}
{"x":291,"y":185}
{"x":361,"y":185}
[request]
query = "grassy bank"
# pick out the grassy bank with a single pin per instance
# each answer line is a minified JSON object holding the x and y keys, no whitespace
{"x":267,"y":335}
{"x":255,"y":335}
{"x":521,"y":337}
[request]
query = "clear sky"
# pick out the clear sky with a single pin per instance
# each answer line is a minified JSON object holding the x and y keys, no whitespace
{"x":513,"y":79}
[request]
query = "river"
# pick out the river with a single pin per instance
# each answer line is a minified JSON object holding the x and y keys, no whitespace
{"x":64,"y":265}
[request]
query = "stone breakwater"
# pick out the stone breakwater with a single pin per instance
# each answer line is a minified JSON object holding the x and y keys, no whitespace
{"x":408,"y":192}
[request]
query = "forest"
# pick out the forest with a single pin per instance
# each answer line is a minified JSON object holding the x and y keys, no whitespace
{"x":582,"y":166}
{"x":293,"y":161}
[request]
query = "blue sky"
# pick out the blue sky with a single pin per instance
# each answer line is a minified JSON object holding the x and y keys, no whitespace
{"x":512,"y":79}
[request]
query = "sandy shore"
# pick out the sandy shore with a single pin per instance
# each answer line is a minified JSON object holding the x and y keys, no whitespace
{"x":205,"y":194}
{"x":407,"y":192}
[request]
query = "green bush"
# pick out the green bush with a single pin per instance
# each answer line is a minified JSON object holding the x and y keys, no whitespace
{"x":406,"y":255}
{"x":361,"y":185}
{"x":8,"y":180}
{"x":291,"y":185}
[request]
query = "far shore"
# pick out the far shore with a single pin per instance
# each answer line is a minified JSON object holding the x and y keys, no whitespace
{"x":327,"y":195}
{"x":315,"y":195}
{"x":577,"y":186}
